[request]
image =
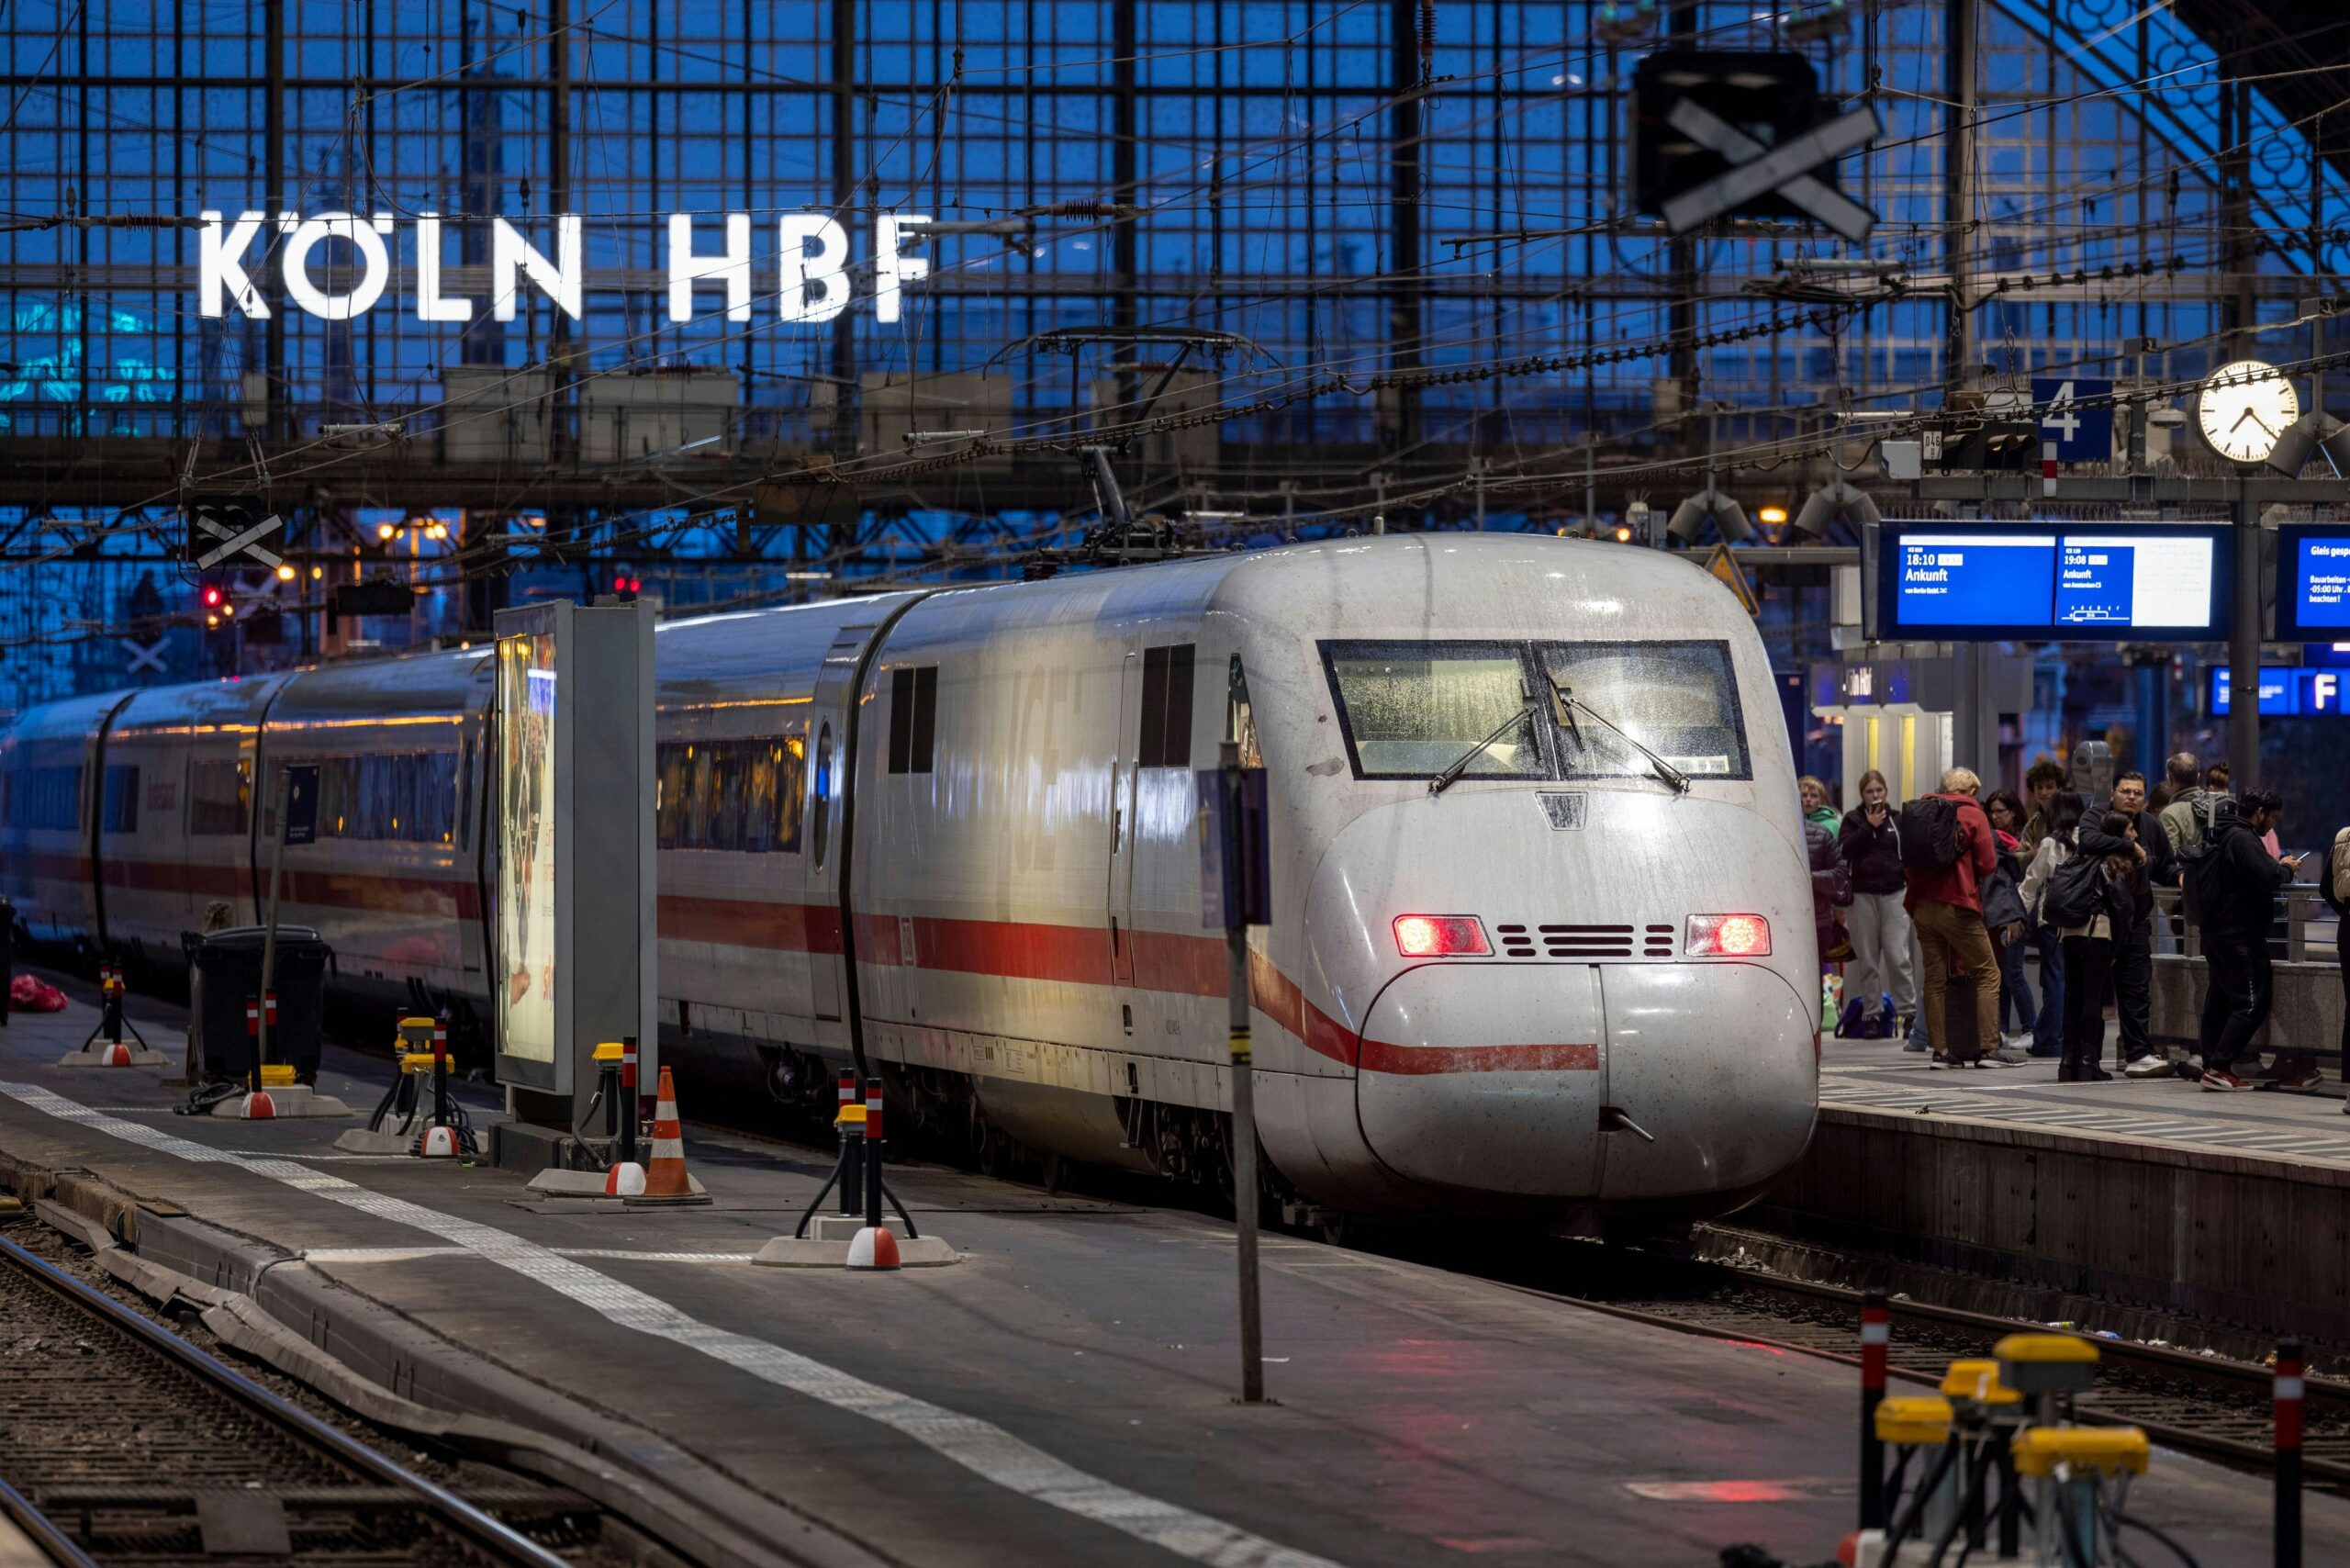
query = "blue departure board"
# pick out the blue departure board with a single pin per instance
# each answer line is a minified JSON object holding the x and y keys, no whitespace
{"x":2040,"y":581}
{"x":2313,"y":583}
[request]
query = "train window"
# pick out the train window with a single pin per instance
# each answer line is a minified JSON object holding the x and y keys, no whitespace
{"x":409,"y":798}
{"x":1413,"y":709}
{"x":1241,"y":718}
{"x":47,"y":799}
{"x":217,"y":799}
{"x":118,"y":808}
{"x":738,"y":795}
{"x":1165,"y":708}
{"x":914,"y":718}
{"x":1678,"y":698}
{"x":824,"y":792}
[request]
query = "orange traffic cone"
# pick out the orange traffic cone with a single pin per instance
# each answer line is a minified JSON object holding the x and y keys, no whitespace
{"x":665,"y":1173}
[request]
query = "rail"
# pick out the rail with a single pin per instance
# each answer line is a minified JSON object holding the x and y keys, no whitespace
{"x":383,"y":1481}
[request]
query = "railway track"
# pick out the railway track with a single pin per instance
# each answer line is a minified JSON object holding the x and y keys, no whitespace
{"x":121,"y":1443}
{"x":2214,"y":1408}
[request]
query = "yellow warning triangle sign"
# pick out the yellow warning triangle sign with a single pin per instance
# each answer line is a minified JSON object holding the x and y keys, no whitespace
{"x":1723,"y":564}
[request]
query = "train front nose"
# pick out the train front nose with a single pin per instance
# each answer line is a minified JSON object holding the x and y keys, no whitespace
{"x":1586,"y":1052}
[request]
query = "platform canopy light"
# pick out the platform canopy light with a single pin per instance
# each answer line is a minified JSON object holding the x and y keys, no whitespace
{"x":1838,"y":501}
{"x":2316,"y":431}
{"x":1709,"y":505}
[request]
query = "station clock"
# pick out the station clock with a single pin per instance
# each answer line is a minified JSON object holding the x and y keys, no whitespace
{"x":2243,"y":409}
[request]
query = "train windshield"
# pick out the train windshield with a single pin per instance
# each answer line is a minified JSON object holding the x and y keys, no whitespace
{"x":1410,"y":710}
{"x":1677,"y":699}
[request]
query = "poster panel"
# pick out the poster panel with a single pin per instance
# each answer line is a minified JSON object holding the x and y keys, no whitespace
{"x":525,"y":991}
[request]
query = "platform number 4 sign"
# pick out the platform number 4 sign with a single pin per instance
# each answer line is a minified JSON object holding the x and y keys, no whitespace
{"x":2077,"y":416}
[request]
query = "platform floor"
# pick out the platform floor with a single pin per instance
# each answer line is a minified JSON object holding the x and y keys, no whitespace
{"x":1879,"y":1075}
{"x":1064,"y":1395}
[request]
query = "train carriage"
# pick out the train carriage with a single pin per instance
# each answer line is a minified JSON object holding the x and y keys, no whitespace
{"x":186,"y":757}
{"x":1541,"y":934}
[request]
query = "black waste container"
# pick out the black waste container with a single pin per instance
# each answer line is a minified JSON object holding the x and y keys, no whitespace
{"x":227,"y":977}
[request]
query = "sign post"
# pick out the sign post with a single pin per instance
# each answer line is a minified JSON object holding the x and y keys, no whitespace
{"x":1235,"y":885}
{"x":294,"y":817}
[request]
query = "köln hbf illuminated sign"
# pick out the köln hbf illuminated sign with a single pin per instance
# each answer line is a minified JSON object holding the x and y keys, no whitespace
{"x":810,"y":272}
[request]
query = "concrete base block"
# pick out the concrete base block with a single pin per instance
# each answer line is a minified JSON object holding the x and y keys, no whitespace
{"x":359,"y":1140}
{"x":796,"y":1253}
{"x":292,"y":1100}
{"x":552,"y":1183}
{"x":837,"y":1227}
{"x":94,"y":1053}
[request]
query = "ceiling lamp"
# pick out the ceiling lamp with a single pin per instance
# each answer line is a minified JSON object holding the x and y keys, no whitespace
{"x":1689,"y":519}
{"x":1838,"y":501}
{"x":2315,"y":432}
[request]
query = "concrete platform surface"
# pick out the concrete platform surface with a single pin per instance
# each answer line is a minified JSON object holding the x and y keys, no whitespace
{"x":1062,"y":1396}
{"x":2164,"y":1111}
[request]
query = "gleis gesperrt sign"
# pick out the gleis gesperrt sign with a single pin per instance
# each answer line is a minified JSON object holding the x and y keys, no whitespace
{"x":806,"y":276}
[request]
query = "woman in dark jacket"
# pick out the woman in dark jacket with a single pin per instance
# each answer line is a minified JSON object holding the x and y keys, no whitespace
{"x":1870,"y":842}
{"x":2004,"y":919}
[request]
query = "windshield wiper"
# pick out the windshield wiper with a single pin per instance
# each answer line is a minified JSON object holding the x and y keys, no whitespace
{"x":1444,"y":781}
{"x":1563,"y":703}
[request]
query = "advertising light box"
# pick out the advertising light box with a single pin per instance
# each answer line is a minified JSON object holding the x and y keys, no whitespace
{"x":2051,"y":582}
{"x":2313,"y":583}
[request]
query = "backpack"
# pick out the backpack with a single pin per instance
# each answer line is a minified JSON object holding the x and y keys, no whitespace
{"x":2336,"y":887}
{"x":1931,"y":835}
{"x":2192,"y":861}
{"x":2075,"y":893}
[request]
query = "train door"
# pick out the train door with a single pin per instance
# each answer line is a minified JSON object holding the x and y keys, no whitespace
{"x":827,"y":770}
{"x":1119,"y":894}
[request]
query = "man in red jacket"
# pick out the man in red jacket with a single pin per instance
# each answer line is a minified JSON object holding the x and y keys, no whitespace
{"x":1947,"y":910}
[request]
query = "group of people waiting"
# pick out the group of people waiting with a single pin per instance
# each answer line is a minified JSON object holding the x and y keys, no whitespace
{"x":1958,"y":883}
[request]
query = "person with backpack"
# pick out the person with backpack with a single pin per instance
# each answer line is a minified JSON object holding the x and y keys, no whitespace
{"x":2073,"y":887}
{"x":2231,"y":895}
{"x":2189,"y":811}
{"x":1946,"y":852}
{"x":1870,"y":842}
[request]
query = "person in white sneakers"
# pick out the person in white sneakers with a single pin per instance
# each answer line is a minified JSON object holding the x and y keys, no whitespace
{"x":2234,"y":894}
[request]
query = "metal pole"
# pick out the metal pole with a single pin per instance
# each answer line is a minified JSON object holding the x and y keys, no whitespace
{"x":1876,"y":1338}
{"x":2289,"y":1451}
{"x":2243,"y":650}
{"x":269,"y":932}
{"x":1244,"y":1089}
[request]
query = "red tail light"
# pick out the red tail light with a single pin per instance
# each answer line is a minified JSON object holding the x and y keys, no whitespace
{"x":1440,"y":937}
{"x":1728,"y":936}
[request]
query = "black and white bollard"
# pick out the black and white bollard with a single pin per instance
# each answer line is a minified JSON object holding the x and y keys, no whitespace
{"x":1876,"y":1340}
{"x":873,"y":1246}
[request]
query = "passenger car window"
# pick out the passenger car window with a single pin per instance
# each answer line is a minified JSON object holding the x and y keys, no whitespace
{"x":1411,"y":710}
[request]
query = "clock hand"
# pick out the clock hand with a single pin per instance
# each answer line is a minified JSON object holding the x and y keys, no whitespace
{"x":2246,"y":414}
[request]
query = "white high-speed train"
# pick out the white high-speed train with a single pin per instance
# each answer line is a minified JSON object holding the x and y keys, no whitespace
{"x":1541,"y":936}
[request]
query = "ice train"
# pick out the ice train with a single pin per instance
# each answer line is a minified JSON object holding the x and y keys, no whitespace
{"x":1542,"y":939}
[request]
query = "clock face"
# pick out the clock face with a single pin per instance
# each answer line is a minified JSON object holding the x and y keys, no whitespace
{"x":2243,"y":409}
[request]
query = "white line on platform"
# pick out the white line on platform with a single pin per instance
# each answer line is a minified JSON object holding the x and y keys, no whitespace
{"x":410,"y":1254}
{"x":980,"y":1446}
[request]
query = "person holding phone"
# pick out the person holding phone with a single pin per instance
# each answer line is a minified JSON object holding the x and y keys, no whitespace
{"x":1870,"y":840}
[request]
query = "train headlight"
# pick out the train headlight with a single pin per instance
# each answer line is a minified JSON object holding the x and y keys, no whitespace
{"x":1440,"y":937}
{"x":1728,"y":936}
